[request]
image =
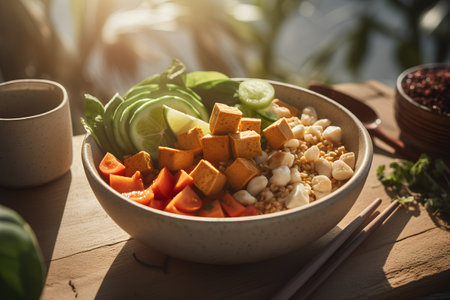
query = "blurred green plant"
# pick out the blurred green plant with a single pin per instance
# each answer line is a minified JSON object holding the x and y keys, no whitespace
{"x":22,"y":269}
{"x":423,"y":22}
{"x":115,"y":44}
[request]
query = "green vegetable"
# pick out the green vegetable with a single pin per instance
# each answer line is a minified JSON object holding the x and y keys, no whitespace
{"x":108,"y":115}
{"x":217,"y":90}
{"x":179,"y":122}
{"x":94,"y":111}
{"x":147,"y":127}
{"x":22,"y":270}
{"x":198,"y":78}
{"x":200,"y":90}
{"x":426,"y":181}
{"x":256,"y":93}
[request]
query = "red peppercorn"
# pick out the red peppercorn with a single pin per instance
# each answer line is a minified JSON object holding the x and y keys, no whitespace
{"x":430,"y":87}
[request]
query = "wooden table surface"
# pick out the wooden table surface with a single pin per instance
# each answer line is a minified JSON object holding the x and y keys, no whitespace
{"x":88,"y":256}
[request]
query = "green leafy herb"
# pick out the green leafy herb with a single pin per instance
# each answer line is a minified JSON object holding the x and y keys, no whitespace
{"x":94,"y":110}
{"x":427,"y":181}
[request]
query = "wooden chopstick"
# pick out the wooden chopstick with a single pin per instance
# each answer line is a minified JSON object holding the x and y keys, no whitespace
{"x":346,"y":250}
{"x":342,"y":245}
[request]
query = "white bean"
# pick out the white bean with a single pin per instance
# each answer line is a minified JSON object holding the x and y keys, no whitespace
{"x":257,"y":184}
{"x":314,"y":130}
{"x":321,"y":183}
{"x":323,"y":167}
{"x":280,"y":111}
{"x":298,"y":131}
{"x":292,"y":143}
{"x":280,"y":176}
{"x":295,"y":175}
{"x":333,"y":134}
{"x":322,"y":122}
{"x":312,"y":154}
{"x":341,"y":171}
{"x":297,"y":197}
{"x":309,"y":138}
{"x":280,"y":158}
{"x":349,"y":159}
{"x":244,"y":197}
{"x":309,"y":116}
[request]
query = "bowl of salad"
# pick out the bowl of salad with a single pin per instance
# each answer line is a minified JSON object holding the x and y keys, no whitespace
{"x":221,"y":170}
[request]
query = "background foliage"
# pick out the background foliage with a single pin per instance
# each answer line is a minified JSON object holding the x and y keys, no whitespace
{"x":113,"y":44}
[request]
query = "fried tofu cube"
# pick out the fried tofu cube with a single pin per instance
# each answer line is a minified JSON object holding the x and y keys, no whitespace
{"x":224,"y":119}
{"x":245,"y":144}
{"x":207,"y":178}
{"x":216,"y":148}
{"x":240,"y":172}
{"x":141,"y":162}
{"x":278,"y":133}
{"x":174,"y":159}
{"x":191,"y":140}
{"x":294,"y":111}
{"x":250,"y":124}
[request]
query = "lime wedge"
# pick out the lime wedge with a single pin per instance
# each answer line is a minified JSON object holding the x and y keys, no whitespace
{"x":179,"y":122}
{"x":148,"y":129}
{"x":256,"y":93}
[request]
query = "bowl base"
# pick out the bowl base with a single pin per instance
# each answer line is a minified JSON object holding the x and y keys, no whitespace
{"x":149,"y":257}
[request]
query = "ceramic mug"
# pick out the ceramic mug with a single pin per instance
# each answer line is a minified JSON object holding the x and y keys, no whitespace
{"x":35,"y":132}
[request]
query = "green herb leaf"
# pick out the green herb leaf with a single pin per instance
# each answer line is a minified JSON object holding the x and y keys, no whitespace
{"x":93,"y":124}
{"x":425,"y":180}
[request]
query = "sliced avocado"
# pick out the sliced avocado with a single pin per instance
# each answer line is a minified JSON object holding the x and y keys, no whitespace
{"x":140,"y":91}
{"x":149,"y":91}
{"x":110,"y":108}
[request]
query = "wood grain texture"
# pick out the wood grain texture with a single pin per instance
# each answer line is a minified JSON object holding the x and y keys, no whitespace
{"x":89,"y":256}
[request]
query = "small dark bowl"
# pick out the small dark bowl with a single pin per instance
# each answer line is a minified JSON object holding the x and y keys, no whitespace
{"x":423,"y":128}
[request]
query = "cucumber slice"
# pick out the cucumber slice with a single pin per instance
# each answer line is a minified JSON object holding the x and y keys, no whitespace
{"x":147,"y":126}
{"x":256,"y":93}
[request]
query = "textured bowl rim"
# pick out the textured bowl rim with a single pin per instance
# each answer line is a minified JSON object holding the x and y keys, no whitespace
{"x":405,"y":96}
{"x":366,"y":162}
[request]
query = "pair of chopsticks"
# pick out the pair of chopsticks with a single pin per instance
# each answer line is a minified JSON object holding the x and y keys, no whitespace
{"x":315,"y":272}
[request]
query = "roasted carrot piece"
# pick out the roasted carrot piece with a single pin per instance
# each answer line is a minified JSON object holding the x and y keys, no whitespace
{"x":187,"y":200}
{"x":231,"y":206}
{"x":250,"y":210}
{"x":182,"y":179}
{"x":173,"y":209}
{"x":163,"y":184}
{"x":157,"y":203}
{"x":212,"y":209}
{"x":124,"y":184}
{"x":111,"y":165}
{"x":143,"y":197}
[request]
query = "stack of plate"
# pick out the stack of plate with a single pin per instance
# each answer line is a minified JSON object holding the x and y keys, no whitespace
{"x":423,"y":128}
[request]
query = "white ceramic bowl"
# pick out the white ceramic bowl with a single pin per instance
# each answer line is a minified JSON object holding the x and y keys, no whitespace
{"x":243,"y":239}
